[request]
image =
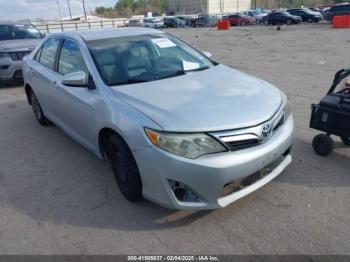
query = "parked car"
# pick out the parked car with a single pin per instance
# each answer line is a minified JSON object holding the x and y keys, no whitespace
{"x":17,"y":39}
{"x":153,"y":22}
{"x":186,"y":19}
{"x":173,"y":22}
{"x":315,"y":9}
{"x":240,"y":19}
{"x":337,"y":10}
{"x":205,"y":21}
{"x":202,"y":144}
{"x":306,"y":14}
{"x":280,"y":17}
{"x":136,"y":23}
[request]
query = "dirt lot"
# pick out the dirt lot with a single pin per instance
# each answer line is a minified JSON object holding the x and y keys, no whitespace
{"x":55,"y":197}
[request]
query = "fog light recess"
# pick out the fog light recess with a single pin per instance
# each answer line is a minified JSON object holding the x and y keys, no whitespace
{"x":182,"y":192}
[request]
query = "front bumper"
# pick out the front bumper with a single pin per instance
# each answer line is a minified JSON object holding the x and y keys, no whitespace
{"x":207,"y":175}
{"x":10,"y":70}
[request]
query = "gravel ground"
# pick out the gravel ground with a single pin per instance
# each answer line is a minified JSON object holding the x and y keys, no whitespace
{"x":56,"y":198}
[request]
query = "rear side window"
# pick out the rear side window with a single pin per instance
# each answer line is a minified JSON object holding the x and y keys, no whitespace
{"x":71,"y":59}
{"x":48,"y":53}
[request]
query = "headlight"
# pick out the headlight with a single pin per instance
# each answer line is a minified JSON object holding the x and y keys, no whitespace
{"x":185,"y":145}
{"x":3,"y":55}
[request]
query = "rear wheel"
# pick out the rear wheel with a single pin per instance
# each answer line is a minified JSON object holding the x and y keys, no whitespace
{"x":289,"y":22}
{"x":323,"y":144}
{"x":125,"y":169}
{"x":346,"y":140}
{"x":38,"y":112}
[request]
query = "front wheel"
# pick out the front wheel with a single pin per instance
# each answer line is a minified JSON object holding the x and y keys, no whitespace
{"x":346,"y":140}
{"x":38,"y":111}
{"x":323,"y":144}
{"x":125,"y":169}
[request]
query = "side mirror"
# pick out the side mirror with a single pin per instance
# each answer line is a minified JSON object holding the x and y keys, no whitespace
{"x":207,"y":54}
{"x":76,"y":79}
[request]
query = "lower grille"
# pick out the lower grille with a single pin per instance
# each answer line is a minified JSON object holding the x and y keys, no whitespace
{"x":18,"y":55}
{"x":242,"y":183}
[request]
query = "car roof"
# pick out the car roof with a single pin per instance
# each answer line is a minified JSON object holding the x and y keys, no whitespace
{"x":90,"y":35}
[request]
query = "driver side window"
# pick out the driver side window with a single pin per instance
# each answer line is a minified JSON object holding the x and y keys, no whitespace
{"x":71,"y":59}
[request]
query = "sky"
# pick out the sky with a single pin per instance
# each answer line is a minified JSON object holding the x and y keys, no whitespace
{"x":46,"y":9}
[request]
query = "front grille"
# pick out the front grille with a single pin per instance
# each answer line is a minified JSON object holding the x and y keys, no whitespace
{"x":236,"y":145}
{"x":250,"y":137}
{"x":18,"y":75}
{"x":16,"y":56}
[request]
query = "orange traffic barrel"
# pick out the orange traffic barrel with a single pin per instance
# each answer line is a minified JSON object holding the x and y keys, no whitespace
{"x":224,"y":24}
{"x":341,"y":21}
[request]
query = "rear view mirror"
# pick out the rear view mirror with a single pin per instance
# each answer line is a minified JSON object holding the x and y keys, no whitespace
{"x":207,"y":54}
{"x":76,"y":79}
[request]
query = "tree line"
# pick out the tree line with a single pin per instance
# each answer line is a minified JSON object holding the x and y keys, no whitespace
{"x":130,"y":7}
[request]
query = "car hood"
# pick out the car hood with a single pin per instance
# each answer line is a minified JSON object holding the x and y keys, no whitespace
{"x":18,"y":45}
{"x":219,"y":98}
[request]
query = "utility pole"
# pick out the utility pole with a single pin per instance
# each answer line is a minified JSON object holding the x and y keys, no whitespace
{"x":70,"y":11}
{"x":59,"y":9}
{"x":84,"y":10}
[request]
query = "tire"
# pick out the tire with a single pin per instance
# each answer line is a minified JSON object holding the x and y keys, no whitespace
{"x":323,"y":144}
{"x":309,"y":20}
{"x":125,"y":169}
{"x":289,"y":22}
{"x":38,"y":112}
{"x":266,"y":23}
{"x":346,"y":140}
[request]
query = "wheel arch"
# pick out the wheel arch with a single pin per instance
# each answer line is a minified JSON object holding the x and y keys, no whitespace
{"x":103,"y":137}
{"x":28,"y":89}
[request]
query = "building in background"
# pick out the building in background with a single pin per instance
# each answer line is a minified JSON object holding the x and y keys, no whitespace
{"x":208,"y":6}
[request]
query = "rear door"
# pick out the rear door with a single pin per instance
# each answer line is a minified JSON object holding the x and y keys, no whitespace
{"x":43,"y":76}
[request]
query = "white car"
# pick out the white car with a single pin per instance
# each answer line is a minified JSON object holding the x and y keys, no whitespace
{"x":153,"y":23}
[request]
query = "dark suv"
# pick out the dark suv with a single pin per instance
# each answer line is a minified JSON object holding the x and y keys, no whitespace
{"x":280,"y":17}
{"x":338,"y":10}
{"x":17,"y":39}
{"x":306,"y":14}
{"x":173,"y":22}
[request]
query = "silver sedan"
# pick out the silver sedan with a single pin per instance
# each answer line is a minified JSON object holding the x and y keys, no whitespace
{"x":178,"y":128}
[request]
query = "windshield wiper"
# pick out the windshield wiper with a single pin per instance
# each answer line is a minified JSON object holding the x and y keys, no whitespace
{"x":177,"y":73}
{"x":198,"y":69}
{"x":129,"y":81}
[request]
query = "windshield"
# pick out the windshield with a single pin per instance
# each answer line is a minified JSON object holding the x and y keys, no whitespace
{"x":14,"y":32}
{"x":144,"y":58}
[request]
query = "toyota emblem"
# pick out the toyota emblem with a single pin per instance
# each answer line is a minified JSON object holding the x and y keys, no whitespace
{"x":266,"y":130}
